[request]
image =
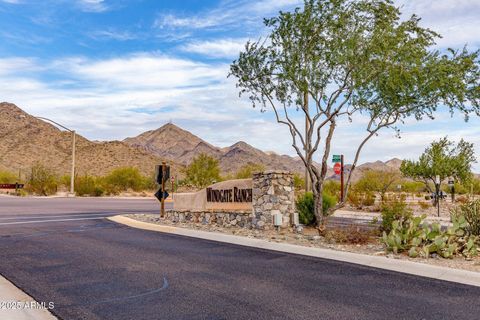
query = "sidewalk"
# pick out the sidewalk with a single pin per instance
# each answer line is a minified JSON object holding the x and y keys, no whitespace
{"x":414,"y":268}
{"x":17,"y":305}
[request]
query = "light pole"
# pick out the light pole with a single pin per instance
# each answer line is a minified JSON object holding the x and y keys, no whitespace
{"x":72,"y":177}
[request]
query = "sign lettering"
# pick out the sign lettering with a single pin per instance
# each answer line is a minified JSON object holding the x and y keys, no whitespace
{"x":229,"y":195}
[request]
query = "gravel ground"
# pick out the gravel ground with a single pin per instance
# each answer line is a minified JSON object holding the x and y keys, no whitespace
{"x":310,"y":238}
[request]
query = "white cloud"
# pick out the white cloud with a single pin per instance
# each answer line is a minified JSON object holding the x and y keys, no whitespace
{"x":112,"y":34}
{"x":220,"y":48}
{"x":11,"y":1}
{"x":92,"y":5}
{"x":455,"y":20}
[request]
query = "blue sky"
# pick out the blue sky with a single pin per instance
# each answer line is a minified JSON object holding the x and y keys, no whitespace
{"x":113,"y":69}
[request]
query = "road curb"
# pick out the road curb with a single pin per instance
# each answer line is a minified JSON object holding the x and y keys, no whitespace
{"x":15,"y":300}
{"x":408,"y":267}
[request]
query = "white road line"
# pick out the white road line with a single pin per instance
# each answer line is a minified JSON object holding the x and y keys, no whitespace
{"x":56,"y":220}
{"x":59,"y":216}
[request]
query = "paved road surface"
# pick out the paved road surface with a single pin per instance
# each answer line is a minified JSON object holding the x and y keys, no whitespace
{"x":96,"y":269}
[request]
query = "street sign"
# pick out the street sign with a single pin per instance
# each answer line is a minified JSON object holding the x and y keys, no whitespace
{"x":172,"y":179}
{"x":337,"y":168}
{"x":159,"y":174}
{"x":158,"y":194}
{"x":336,"y":158}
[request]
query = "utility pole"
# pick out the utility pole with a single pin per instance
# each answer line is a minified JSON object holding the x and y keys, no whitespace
{"x":72,"y":173}
{"x":307,"y":141}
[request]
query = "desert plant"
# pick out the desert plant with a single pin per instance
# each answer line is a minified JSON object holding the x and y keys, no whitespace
{"x":298,"y":182}
{"x":419,"y":238}
{"x":203,"y":171}
{"x":470,"y":210}
{"x":88,"y":186}
{"x":42,"y":180}
{"x":8,"y":177}
{"x":349,"y":235}
{"x":305,"y":207}
{"x":123,"y":179}
{"x":424,"y":205}
{"x":247,"y":170}
{"x":394,"y":209}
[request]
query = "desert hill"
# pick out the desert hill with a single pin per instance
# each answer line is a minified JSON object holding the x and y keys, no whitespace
{"x":179,"y":145}
{"x":25,"y":140}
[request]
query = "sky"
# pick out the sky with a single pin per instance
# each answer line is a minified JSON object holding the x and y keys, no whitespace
{"x":114,"y":69}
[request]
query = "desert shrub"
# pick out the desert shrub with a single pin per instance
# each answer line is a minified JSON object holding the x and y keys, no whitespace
{"x":88,"y":186}
{"x":305,"y":206}
{"x":247,"y":170}
{"x":202,"y":171}
{"x":412,"y":186}
{"x":123,"y":179}
{"x":349,"y":235}
{"x":8,"y":177}
{"x":471,"y":211}
{"x":424,"y":205}
{"x":416,"y":237}
{"x":361,"y":199}
{"x":332,"y":188}
{"x":42,"y":180}
{"x":298,"y":182}
{"x":395,"y":208}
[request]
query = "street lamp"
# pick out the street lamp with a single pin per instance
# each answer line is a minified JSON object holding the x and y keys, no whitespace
{"x":72,"y":177}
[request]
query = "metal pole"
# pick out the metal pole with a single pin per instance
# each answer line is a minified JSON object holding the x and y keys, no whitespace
{"x":162,"y":210}
{"x":72,"y":178}
{"x":307,"y":141}
{"x":341,"y":179}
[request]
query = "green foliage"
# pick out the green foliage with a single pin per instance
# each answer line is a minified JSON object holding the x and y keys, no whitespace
{"x":124,"y":179}
{"x":412,"y":186}
{"x":395,"y":209}
{"x":332,"y":187}
{"x":351,"y":57}
{"x":442,"y":158}
{"x":305,"y":205}
{"x":8,"y":177}
{"x":88,"y":186}
{"x":361,"y":199}
{"x":203,"y":171}
{"x":377,"y":181}
{"x":247,"y":170}
{"x":470,"y":210}
{"x":298,"y":182}
{"x":418,"y":238}
{"x":42,"y":180}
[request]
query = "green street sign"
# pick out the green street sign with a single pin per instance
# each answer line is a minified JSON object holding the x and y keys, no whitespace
{"x":336,"y":158}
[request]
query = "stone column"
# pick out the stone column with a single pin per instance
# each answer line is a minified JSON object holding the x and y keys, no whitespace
{"x":273,"y":192}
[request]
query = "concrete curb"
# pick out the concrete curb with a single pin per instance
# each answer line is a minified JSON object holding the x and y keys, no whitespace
{"x":414,"y":268}
{"x":14,"y":307}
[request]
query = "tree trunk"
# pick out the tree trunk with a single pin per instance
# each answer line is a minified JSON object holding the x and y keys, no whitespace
{"x":318,"y":204}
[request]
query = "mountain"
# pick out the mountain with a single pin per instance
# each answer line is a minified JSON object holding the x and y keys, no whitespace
{"x":179,"y":145}
{"x":26,"y":140}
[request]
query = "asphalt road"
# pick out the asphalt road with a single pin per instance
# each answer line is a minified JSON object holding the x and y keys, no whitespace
{"x":95,"y":269}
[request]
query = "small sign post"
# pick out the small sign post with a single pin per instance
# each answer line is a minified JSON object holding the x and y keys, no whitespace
{"x":162,"y":174}
{"x":338,"y":169}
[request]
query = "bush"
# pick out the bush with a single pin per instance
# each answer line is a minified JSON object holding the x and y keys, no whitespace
{"x":123,"y":179}
{"x":424,"y":205}
{"x":394,"y":209}
{"x":247,"y":170}
{"x":203,"y":171}
{"x":349,"y":235}
{"x":305,"y":206}
{"x":88,"y":186}
{"x":361,"y":199}
{"x":42,"y":180}
{"x":471,"y":211}
{"x":298,"y":182}
{"x":8,"y":177}
{"x":332,"y":188}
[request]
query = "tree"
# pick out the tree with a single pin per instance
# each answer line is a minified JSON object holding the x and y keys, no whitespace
{"x":335,"y":59}
{"x":247,"y":170}
{"x":122,"y":179}
{"x":203,"y":171}
{"x":377,"y":181}
{"x":444,"y":159}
